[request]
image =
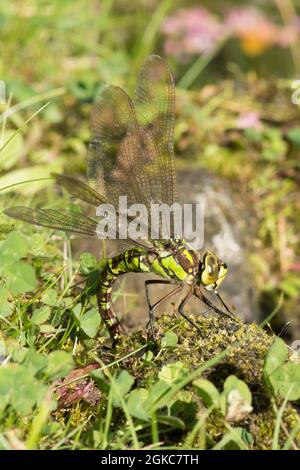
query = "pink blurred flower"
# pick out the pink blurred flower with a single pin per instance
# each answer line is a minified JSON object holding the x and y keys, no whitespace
{"x":290,"y":34}
{"x":191,"y":31}
{"x":247,"y":120}
{"x":256,"y":31}
{"x":295,"y":267}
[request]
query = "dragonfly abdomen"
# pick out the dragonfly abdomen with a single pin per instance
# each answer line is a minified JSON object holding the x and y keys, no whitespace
{"x":179,"y":267}
{"x":133,"y":260}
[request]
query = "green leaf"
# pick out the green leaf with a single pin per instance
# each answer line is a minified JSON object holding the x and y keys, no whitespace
{"x":253,"y":135}
{"x":14,"y":247}
{"x":49,"y":297}
{"x":291,"y":286}
{"x":6,"y":381}
{"x":3,"y":294}
{"x":77,"y":310}
{"x":169,"y":340}
{"x":12,"y":151}
{"x":171,"y":421}
{"x":4,"y":402}
{"x":208,"y":392}
{"x":6,"y":308}
{"x":30,"y":173}
{"x":285,"y":381}
{"x":27,"y":392}
{"x":59,"y":364}
{"x":173,"y":372}
{"x":35,"y":362}
{"x":41,"y":315}
{"x":156,"y":398}
{"x":20,"y":389}
{"x":273,"y":145}
{"x":148,"y":356}
{"x":233,"y":383}
{"x":20,"y":277}
{"x":123,"y":384}
{"x":47,"y":329}
{"x":136,"y":404}
{"x":17,"y":351}
{"x":90,"y":322}
{"x":101,"y":380}
{"x":276,"y":357}
{"x":87,"y":263}
{"x":294,"y":136}
{"x":235,"y":399}
{"x":236,"y":439}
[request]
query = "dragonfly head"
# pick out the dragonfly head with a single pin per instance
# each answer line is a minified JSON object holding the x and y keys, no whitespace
{"x":212,"y":271}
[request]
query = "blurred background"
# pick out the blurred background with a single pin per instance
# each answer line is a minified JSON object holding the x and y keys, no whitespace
{"x":237,"y":134}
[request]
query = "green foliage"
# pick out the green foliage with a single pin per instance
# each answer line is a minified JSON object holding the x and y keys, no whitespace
{"x":49,"y":297}
{"x":59,"y":364}
{"x":87,"y":263}
{"x":236,"y":399}
{"x":270,"y":140}
{"x":234,"y":402}
{"x":11,"y":149}
{"x":121,"y":387}
{"x":283,"y":377}
{"x":20,"y":389}
{"x":208,"y":392}
{"x":24,"y":385}
{"x":169,"y":340}
{"x":235,"y":439}
{"x":41,"y":315}
{"x":291,"y":285}
{"x":19,"y":276}
{"x":89,"y":321}
{"x":6,"y":307}
{"x":294,"y":136}
{"x":171,"y":373}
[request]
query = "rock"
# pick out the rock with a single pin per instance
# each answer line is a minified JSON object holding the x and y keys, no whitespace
{"x":225,"y":233}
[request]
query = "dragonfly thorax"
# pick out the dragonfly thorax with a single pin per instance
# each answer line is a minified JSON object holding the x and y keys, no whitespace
{"x":212,"y":271}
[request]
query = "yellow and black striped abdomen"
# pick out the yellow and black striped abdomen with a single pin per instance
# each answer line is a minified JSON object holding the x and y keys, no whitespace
{"x":134,"y":260}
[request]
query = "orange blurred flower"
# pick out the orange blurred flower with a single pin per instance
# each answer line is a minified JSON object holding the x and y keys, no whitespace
{"x":256,"y":32}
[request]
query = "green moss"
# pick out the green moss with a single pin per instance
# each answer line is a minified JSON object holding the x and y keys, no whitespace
{"x":249,"y":345}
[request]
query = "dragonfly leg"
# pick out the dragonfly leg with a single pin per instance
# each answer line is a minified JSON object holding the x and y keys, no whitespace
{"x":153,"y":307}
{"x":181,"y":312}
{"x":207,"y":302}
{"x":223,"y":303}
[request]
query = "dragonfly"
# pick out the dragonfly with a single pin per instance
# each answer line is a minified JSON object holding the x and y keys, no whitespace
{"x":131,"y":152}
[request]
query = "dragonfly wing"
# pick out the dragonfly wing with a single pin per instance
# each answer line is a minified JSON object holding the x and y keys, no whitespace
{"x":79,"y":189}
{"x":155,"y":108}
{"x":131,"y":149}
{"x":67,"y":221}
{"x":58,"y":219}
{"x":116,"y":166}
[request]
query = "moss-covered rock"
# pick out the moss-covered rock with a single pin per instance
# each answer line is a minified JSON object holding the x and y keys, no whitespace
{"x":248,"y":346}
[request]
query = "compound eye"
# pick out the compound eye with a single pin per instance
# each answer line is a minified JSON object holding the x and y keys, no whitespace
{"x":212,"y":266}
